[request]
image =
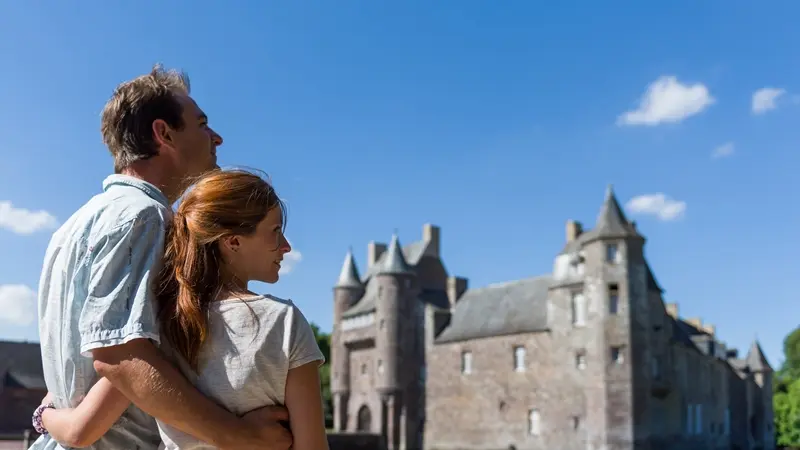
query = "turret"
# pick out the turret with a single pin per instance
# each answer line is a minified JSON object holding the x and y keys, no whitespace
{"x":347,"y":291}
{"x":397,"y":298}
{"x":762,"y":375}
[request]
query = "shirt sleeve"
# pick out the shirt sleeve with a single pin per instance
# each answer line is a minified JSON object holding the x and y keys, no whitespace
{"x":122,"y":265}
{"x":303,"y":347}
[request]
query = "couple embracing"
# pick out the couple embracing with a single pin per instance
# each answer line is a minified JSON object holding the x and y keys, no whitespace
{"x":150,"y":337}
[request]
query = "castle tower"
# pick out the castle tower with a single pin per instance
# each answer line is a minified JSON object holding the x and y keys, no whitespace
{"x":762,"y":411}
{"x":397,"y":288}
{"x":347,"y":291}
{"x":600,"y":301}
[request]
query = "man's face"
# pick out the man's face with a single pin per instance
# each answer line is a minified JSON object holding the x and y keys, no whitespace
{"x":196,"y":144}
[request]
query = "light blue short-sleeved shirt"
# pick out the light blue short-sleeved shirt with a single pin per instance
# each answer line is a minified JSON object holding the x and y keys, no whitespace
{"x":95,"y":292}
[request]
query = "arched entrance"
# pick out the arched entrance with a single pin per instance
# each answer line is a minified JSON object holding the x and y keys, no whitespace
{"x":364,"y":422}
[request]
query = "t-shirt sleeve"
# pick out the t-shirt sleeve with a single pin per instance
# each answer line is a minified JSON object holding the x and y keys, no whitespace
{"x":119,"y":305}
{"x":303,"y":347}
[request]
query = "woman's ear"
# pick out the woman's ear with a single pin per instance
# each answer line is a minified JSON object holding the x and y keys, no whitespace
{"x":232,"y":243}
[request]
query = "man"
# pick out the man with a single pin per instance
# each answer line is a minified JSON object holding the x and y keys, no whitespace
{"x":96,"y":311}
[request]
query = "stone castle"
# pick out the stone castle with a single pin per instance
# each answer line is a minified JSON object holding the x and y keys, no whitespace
{"x":586,"y":357}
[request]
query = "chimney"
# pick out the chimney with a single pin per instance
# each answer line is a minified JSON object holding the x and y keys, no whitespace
{"x":709,"y":329}
{"x":695,"y":322}
{"x":374,"y":252}
{"x":430,"y":234}
{"x":456,"y":286}
{"x":672,"y":310}
{"x":574,"y":229}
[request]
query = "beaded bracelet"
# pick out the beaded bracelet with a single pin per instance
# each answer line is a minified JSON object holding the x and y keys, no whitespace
{"x":37,"y":417}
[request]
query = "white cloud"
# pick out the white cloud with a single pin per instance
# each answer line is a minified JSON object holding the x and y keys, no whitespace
{"x":17,"y":304}
{"x":766,"y":99}
{"x":668,"y":101}
{"x":24,"y":221}
{"x":658,"y":205}
{"x":723,"y":151}
{"x":290,"y":261}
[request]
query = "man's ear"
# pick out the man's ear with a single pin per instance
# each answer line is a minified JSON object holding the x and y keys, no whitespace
{"x":162,"y":133}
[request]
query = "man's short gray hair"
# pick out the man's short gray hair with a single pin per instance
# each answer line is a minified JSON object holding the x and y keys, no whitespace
{"x":127,"y":119}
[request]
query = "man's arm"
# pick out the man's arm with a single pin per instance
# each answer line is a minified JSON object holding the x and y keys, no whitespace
{"x":139,"y":370}
{"x":118,"y":326}
{"x":83,"y":425}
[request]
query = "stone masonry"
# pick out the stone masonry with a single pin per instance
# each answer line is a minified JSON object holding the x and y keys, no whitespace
{"x":586,"y":357}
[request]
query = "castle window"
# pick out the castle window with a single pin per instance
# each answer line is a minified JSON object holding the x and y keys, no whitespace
{"x":655,"y":367}
{"x":363,"y":369}
{"x":519,"y":359}
{"x":613,"y":298}
{"x":407,"y":283}
{"x":380,"y":366}
{"x":578,"y":309}
{"x":612,"y":253}
{"x":580,"y":360}
{"x":617,"y":356}
{"x":534,"y":425}
{"x":698,"y":411}
{"x":689,"y":419}
{"x":466,"y":363}
{"x":576,"y":422}
{"x":381,"y":324}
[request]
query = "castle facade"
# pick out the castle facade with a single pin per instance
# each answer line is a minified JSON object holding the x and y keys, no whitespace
{"x":587,"y":357}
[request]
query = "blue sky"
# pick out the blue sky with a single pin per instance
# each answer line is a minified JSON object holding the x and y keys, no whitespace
{"x":497,"y":124}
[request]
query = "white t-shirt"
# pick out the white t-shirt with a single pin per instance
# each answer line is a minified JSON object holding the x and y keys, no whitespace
{"x":253,"y":343}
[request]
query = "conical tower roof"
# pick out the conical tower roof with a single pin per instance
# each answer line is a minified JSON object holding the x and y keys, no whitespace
{"x":394,"y":262}
{"x":349,"y":275}
{"x":756,"y":360}
{"x":612,"y":221}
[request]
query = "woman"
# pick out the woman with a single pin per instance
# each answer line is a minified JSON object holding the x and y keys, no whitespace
{"x":239,"y":348}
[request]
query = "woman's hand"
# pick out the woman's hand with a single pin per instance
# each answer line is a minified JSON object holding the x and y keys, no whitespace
{"x":47,"y":399}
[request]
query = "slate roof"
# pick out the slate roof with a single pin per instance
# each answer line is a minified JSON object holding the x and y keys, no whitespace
{"x":499,"y":309}
{"x":399,"y":260}
{"x":349,"y":277}
{"x":756,"y":360}
{"x":21,"y":365}
{"x":393,"y":261}
{"x":611,"y":222}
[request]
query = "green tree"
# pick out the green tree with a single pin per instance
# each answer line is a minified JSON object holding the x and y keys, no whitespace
{"x":324,"y":343}
{"x":786,"y":393}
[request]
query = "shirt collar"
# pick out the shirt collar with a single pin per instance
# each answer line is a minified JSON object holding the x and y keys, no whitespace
{"x":138,"y":183}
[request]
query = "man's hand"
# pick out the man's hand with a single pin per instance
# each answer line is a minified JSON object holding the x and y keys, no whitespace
{"x":270,"y":430}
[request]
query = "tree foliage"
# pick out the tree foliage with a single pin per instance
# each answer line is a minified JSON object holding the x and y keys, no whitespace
{"x":786,"y":393}
{"x":324,"y":343}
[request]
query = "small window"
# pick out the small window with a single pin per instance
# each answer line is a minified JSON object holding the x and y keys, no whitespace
{"x":381,"y":324}
{"x":655,"y":367}
{"x":363,"y":369}
{"x":689,"y":419}
{"x":578,"y":309}
{"x":580,"y":360}
{"x":617,"y":356}
{"x":380,"y":366}
{"x":466,"y":363}
{"x":407,"y":283}
{"x":576,"y":422}
{"x":519,"y":359}
{"x":534,"y":427}
{"x":613,"y":298}
{"x":612,"y":253}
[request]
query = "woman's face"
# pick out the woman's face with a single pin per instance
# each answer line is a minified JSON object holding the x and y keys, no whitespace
{"x":258,"y":257}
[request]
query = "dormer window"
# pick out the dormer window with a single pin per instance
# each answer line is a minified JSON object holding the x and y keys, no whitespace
{"x":612,"y":253}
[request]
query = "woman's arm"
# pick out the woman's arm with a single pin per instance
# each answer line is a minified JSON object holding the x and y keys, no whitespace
{"x":83,"y":425}
{"x":304,"y":402}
